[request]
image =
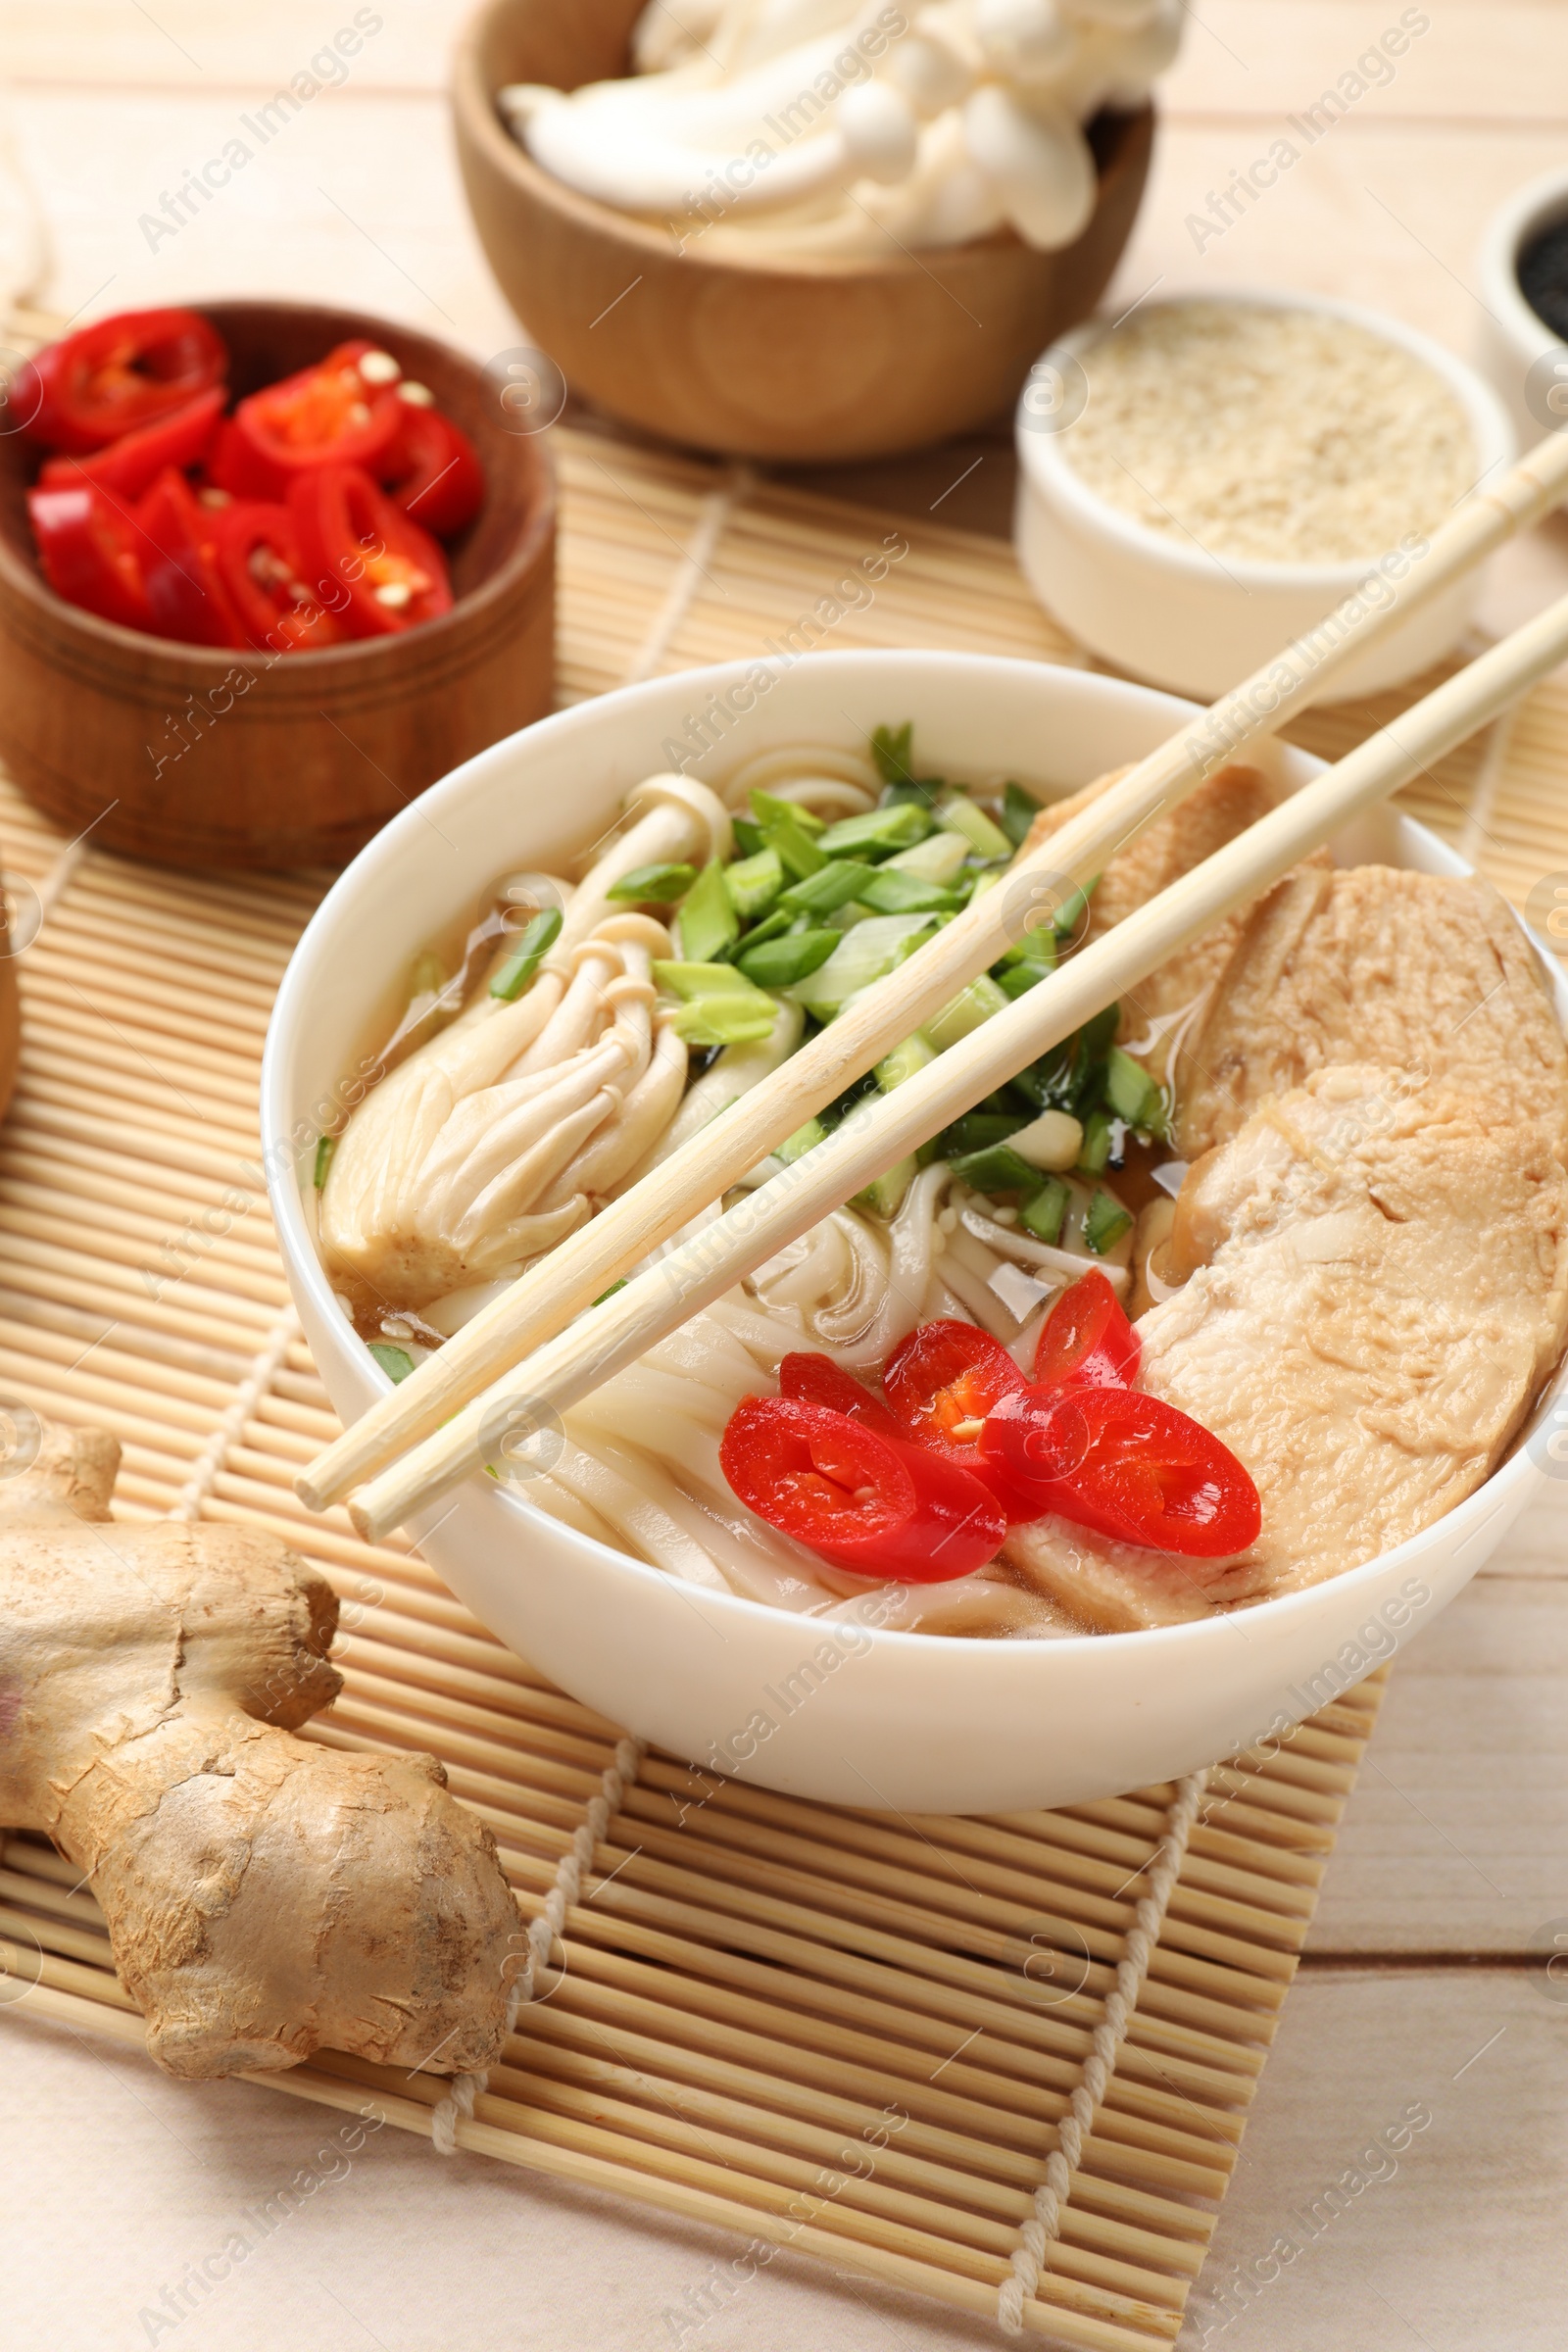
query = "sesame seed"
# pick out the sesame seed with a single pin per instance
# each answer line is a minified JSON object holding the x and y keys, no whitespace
{"x":1284,"y":436}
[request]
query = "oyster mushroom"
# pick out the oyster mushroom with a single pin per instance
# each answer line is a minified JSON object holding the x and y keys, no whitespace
{"x":682,"y":823}
{"x":501,"y":1135}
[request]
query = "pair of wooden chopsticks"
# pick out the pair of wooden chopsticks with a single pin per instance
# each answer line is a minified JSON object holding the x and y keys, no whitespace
{"x":535,"y":1351}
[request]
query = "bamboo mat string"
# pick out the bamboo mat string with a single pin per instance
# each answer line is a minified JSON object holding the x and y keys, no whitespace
{"x":565,"y":1895}
{"x":713,"y":517}
{"x":1043,"y":2225}
{"x":213,"y":1460}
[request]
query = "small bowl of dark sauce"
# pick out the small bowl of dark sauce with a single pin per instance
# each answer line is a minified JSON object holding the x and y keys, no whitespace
{"x":1523,"y":267}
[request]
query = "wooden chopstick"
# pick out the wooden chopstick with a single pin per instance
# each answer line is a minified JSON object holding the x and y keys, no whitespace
{"x":881,"y":1131}
{"x":581,"y":1267}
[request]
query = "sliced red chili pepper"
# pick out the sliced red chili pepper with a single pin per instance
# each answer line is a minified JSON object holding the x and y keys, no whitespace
{"x":122,"y":373}
{"x":185,"y":591}
{"x":131,"y":464}
{"x":811,"y":1379}
{"x":874,"y":1507}
{"x":259,"y":562}
{"x":91,"y":551}
{"x":365,"y":561}
{"x":233,"y":466}
{"x":325,"y":415}
{"x":942,"y":1382}
{"x":1126,"y":1464}
{"x":1087,"y":1341}
{"x":433,"y":472}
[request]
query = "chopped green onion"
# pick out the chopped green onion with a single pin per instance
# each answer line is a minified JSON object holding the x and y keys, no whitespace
{"x":967,"y":1011}
{"x":890,"y":892}
{"x":1039,"y":944}
{"x":830,"y":887}
{"x":771,"y":926}
{"x":709,"y":923}
{"x":1098,"y":1140}
{"x":998,"y":1169}
{"x":1106,"y":1223}
{"x":893,"y":748}
{"x":877,"y":832}
{"x":754,"y":883}
{"x":978,"y":1130}
{"x":1041,"y":1215}
{"x":795,"y":849}
{"x":396,"y":1362}
{"x":845,"y":918}
{"x":610,"y":1293}
{"x":804,"y":1138}
{"x":653,"y":885}
{"x":326,"y":1145}
{"x":985,"y":838}
{"x":1019,"y":808}
{"x":534,"y":943}
{"x":884,"y":1194}
{"x":1074,"y":906}
{"x":1017,"y":979}
{"x":938,"y":858}
{"x":911,"y":1054}
{"x":769,"y":809}
{"x":1070,"y":1076}
{"x":921,"y":792}
{"x":862,"y":955}
{"x":781,"y":962}
{"x":748,"y":837}
{"x":1132,"y":1094}
{"x":695,"y":983}
{"x":726,"y":1021}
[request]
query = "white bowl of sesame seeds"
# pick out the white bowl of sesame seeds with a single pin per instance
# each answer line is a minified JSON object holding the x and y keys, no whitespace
{"x":1206,"y":479}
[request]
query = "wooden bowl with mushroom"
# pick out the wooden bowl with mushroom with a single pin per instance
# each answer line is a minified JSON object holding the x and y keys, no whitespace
{"x":202,"y":755}
{"x":814,"y":359}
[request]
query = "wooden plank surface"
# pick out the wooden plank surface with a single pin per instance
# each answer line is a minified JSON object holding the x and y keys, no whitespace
{"x":1455,"y":1841}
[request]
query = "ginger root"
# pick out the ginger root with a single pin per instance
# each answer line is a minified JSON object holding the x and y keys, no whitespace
{"x":265,"y":1896}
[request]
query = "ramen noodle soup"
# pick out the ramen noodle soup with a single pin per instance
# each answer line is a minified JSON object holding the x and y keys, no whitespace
{"x":1252,"y":1277}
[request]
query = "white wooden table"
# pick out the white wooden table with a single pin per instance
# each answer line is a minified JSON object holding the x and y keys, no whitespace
{"x":1424,"y":1984}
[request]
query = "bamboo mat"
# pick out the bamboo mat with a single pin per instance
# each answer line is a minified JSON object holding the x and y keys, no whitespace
{"x":849,"y":2034}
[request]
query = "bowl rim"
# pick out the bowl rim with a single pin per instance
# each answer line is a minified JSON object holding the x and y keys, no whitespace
{"x":282,"y":1161}
{"x":1538,"y":204}
{"x":1049,"y":473}
{"x":327,"y":662}
{"x":476,"y":119}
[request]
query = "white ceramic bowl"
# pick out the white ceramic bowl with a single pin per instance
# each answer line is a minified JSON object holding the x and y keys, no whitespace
{"x":1165,"y":609}
{"x":1526,"y":362}
{"x":910,"y":1721}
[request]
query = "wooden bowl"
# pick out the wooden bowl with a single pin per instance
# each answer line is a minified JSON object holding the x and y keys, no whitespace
{"x":200,"y":757}
{"x":813,"y":360}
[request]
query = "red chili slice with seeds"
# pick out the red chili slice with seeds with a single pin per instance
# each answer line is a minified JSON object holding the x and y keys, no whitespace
{"x":880,"y":1509}
{"x":1128,"y":1465}
{"x":363,"y":559}
{"x":1087,"y":1341}
{"x":942,"y":1382}
{"x":259,"y":557}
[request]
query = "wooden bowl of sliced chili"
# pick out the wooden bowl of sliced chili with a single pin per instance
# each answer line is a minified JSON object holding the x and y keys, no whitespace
{"x":294,"y":745}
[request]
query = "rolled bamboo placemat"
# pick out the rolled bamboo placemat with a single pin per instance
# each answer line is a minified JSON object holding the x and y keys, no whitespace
{"x":739,"y":1973}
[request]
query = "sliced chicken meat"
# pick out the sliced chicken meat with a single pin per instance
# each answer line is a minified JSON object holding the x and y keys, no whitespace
{"x":1416,"y":972}
{"x":1378,"y":1286}
{"x":1217,"y":812}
